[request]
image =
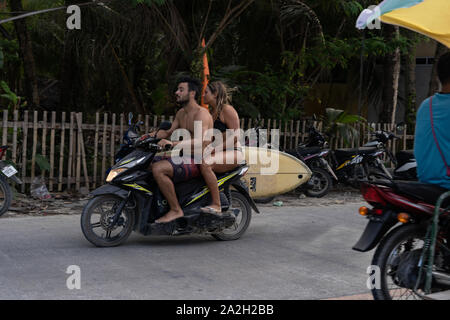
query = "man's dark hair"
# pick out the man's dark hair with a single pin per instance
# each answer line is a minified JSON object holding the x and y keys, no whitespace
{"x":193,"y":85}
{"x":444,"y":68}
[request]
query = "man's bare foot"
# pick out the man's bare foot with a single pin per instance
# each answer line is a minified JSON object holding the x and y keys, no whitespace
{"x":170,"y":216}
{"x":212,"y":209}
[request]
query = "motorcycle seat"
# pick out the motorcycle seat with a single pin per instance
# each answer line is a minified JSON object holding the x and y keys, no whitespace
{"x":308,"y":151}
{"x":347,"y":153}
{"x":428,"y":193}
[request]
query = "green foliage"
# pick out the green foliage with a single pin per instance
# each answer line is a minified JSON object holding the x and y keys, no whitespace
{"x":42,"y":163}
{"x":10,"y":96}
{"x":275,"y":92}
{"x":273,"y":53}
{"x":340,"y":122}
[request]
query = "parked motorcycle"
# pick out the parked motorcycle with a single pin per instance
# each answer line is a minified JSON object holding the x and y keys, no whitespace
{"x":405,"y":165}
{"x":131,"y":200}
{"x":346,"y":166}
{"x":313,"y":153}
{"x":402,"y":255}
{"x":8,"y":171}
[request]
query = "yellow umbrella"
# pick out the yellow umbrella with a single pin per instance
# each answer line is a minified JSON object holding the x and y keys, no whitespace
{"x":429,"y":17}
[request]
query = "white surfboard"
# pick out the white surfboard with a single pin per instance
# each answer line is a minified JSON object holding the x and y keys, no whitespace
{"x":271,"y":172}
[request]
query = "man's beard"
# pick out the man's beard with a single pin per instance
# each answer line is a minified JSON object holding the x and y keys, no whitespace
{"x":183,"y":101}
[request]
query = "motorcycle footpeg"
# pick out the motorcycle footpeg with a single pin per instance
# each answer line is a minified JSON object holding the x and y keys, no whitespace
{"x":163,"y":229}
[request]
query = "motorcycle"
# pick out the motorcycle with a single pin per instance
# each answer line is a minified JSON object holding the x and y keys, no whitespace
{"x":346,"y":166}
{"x":132,"y":201}
{"x":314,"y":154}
{"x":8,"y":171}
{"x":406,"y":166}
{"x":404,"y":161}
{"x":400,"y":219}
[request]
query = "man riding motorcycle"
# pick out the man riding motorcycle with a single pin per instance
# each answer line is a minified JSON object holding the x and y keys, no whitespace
{"x":166,"y":171}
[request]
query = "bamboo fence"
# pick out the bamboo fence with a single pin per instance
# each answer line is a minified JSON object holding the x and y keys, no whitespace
{"x":80,"y":147}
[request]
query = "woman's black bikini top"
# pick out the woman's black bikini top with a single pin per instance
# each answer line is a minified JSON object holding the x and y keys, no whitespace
{"x":219,"y":125}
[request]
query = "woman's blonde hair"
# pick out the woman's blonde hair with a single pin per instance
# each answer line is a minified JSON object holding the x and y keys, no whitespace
{"x":223,"y":97}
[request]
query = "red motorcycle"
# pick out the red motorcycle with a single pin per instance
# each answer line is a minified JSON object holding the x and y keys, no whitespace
{"x":412,"y":259}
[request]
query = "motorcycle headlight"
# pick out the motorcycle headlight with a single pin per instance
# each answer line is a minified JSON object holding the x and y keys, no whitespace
{"x":114,"y":173}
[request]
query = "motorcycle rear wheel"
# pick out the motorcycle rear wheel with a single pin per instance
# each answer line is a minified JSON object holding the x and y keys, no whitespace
{"x":388,"y":257}
{"x":5,"y":195}
{"x":100,"y":233}
{"x":238,"y":201}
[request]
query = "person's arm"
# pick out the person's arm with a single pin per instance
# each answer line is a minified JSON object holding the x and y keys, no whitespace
{"x":165,"y":134}
{"x":231,"y":118}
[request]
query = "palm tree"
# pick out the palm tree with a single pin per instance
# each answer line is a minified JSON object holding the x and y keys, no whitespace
{"x":339,"y":123}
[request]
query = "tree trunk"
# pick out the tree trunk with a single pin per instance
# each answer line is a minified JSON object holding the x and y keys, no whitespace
{"x":434,"y":81}
{"x":26,"y":53}
{"x":410,"y":86}
{"x":392,"y":65}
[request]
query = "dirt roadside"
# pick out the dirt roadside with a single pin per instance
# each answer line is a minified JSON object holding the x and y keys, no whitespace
{"x":63,"y":203}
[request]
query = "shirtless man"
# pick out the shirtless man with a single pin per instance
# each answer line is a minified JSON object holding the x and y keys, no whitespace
{"x":167,"y":172}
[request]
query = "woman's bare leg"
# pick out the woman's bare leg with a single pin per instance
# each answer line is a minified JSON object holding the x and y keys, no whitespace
{"x":218,"y":163}
{"x":210,"y":178}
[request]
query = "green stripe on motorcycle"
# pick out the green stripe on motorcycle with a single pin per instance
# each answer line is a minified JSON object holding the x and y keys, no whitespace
{"x":206,"y":190}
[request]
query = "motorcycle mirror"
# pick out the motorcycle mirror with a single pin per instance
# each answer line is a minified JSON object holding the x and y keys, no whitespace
{"x":401,"y":126}
{"x":130,"y":117}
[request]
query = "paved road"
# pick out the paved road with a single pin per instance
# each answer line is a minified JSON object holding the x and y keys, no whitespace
{"x":287,"y":253}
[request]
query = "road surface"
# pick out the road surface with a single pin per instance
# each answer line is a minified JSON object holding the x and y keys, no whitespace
{"x":287,"y":253}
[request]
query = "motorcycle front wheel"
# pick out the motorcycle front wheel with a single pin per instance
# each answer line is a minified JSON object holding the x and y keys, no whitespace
{"x":321,"y":183}
{"x":5,"y":195}
{"x":96,"y":221}
{"x":396,"y":259}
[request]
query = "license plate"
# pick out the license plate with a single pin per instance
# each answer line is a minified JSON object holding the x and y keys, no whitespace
{"x":9,"y":171}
